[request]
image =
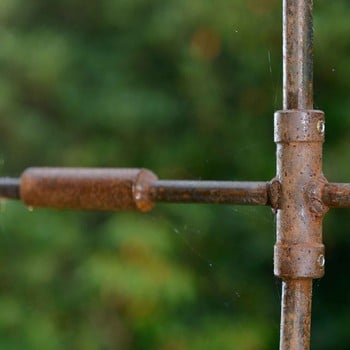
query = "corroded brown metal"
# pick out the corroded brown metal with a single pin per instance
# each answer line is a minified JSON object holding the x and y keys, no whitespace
{"x":296,"y":314}
{"x":297,"y":54}
{"x":9,"y":187}
{"x":299,"y":252}
{"x":125,"y":189}
{"x":299,"y":133}
{"x":218,"y":192}
{"x":337,"y":195}
{"x":299,"y":170}
{"x":92,"y":189}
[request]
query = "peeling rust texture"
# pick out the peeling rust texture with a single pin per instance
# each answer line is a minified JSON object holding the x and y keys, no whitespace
{"x":297,"y":54}
{"x":85,"y":188}
{"x":337,"y":195}
{"x":216,"y":192}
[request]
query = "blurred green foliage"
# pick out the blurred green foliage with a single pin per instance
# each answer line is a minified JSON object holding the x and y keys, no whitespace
{"x":187,"y":89}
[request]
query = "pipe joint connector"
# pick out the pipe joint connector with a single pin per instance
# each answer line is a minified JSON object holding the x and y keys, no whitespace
{"x":299,"y":252}
{"x":299,"y":126}
{"x":313,"y":195}
{"x":303,"y":260}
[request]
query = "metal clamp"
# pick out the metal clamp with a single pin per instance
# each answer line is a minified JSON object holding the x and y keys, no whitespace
{"x":299,"y":252}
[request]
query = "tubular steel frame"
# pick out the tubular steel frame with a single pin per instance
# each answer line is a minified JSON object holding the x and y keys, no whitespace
{"x":299,"y":194}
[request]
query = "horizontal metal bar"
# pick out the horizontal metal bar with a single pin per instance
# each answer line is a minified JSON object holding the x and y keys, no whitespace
{"x":337,"y":195}
{"x":218,"y":192}
{"x":123,"y":189}
{"x":120,"y":184}
{"x":9,"y":187}
{"x":87,"y":188}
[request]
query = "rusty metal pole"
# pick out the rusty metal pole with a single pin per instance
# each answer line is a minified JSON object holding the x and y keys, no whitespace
{"x":299,"y":134}
{"x":297,"y":54}
{"x":125,"y":189}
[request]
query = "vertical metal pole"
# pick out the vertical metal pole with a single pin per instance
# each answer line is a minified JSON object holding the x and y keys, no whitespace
{"x":299,"y":132}
{"x":297,"y":94}
{"x":297,"y":54}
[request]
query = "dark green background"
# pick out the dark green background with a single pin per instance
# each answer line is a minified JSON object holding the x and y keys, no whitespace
{"x":187,"y":89}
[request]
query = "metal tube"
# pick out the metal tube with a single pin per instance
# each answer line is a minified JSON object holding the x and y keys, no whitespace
{"x":299,"y":252}
{"x":86,"y":188}
{"x":125,"y":189}
{"x":299,"y":170}
{"x":337,"y":195}
{"x":299,"y":132}
{"x":296,"y":314}
{"x":9,"y":187}
{"x":297,"y":54}
{"x":219,"y":192}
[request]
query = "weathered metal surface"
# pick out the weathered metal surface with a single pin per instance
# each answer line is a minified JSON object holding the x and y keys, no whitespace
{"x":337,"y":195}
{"x":297,"y":54}
{"x":299,"y":133}
{"x":125,"y":189}
{"x":274,"y":191}
{"x":296,"y":314}
{"x":219,"y":192}
{"x":304,"y":260}
{"x":299,"y":170}
{"x":9,"y":187}
{"x":91,"y":189}
{"x":299,"y":252}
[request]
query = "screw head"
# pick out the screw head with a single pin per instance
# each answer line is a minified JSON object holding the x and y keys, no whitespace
{"x":321,"y":126}
{"x":321,"y":260}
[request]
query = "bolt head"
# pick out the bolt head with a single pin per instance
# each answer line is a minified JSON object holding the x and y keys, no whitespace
{"x":321,"y":260}
{"x":321,"y":126}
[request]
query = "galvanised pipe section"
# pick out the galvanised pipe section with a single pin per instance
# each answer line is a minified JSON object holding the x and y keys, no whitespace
{"x":299,"y":134}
